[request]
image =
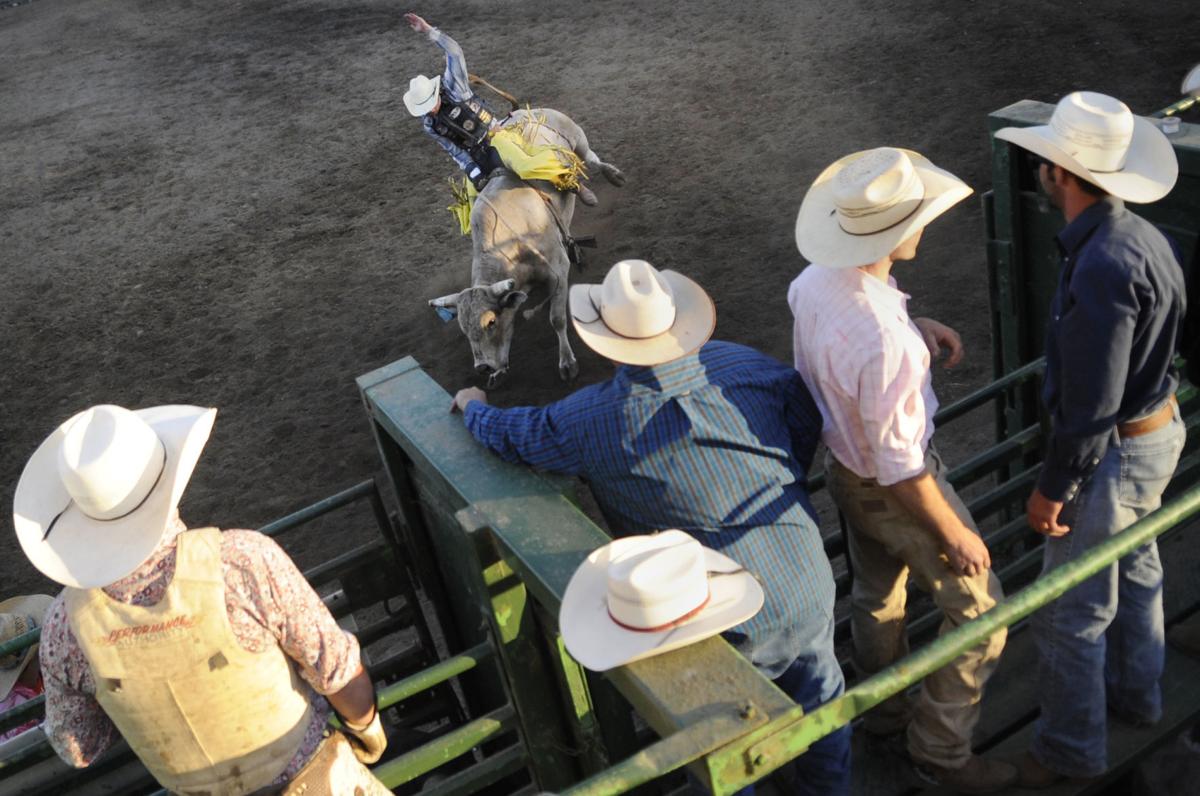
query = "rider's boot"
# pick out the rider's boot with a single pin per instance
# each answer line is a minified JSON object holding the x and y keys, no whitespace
{"x":586,"y":195}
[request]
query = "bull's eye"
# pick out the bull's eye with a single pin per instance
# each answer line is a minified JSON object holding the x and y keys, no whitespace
{"x":487,"y":320}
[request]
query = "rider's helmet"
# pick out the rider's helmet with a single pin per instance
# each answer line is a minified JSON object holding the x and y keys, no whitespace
{"x":422,"y":94}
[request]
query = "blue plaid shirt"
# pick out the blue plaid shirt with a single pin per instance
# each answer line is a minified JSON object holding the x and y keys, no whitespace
{"x":716,"y":444}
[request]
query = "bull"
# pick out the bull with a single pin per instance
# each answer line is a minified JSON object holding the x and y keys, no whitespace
{"x":520,"y":235}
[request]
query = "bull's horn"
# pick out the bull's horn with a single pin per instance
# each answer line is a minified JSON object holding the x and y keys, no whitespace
{"x":449,"y":300}
{"x":503,"y":286}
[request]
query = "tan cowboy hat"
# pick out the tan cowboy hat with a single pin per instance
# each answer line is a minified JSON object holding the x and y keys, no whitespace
{"x":95,"y":498}
{"x":642,"y":316}
{"x":422,"y":94}
{"x":1098,"y":139}
{"x":646,"y":595}
{"x":19,"y":615}
{"x":866,"y":204}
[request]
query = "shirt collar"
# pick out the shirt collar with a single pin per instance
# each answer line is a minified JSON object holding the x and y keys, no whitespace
{"x":676,"y":376}
{"x":1073,"y":235}
{"x":149,"y":568}
{"x":885,"y":293}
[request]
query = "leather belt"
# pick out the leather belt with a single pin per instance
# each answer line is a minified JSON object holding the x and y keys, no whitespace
{"x":1151,"y":422}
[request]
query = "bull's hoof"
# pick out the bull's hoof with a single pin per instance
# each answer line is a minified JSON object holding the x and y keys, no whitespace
{"x":586,"y":196}
{"x":497,"y":379}
{"x":613,"y":175}
{"x":568,"y":371}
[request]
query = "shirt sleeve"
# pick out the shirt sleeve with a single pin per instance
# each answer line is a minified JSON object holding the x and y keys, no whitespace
{"x":77,"y":727}
{"x":536,"y":436}
{"x":803,"y":420}
{"x":456,"y":79}
{"x":1095,"y":337}
{"x":891,"y":403}
{"x":275,"y":592}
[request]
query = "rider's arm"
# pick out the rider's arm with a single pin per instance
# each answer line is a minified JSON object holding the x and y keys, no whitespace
{"x":455,"y":79}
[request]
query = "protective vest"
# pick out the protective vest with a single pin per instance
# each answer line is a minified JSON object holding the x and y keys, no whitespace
{"x":465,"y":123}
{"x":203,"y":714}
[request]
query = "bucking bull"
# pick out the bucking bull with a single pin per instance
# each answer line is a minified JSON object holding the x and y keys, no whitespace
{"x":520,"y":233}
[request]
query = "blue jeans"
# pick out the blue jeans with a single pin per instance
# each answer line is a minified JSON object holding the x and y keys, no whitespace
{"x":1101,"y":643}
{"x":812,"y":679}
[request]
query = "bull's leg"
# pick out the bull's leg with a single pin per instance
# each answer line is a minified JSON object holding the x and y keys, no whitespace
{"x":594,"y":163}
{"x":568,"y":368}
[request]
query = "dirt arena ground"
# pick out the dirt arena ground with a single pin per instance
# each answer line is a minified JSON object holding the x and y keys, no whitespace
{"x":227,"y":204}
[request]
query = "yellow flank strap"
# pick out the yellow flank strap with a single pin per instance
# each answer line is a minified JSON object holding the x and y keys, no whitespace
{"x":534,"y":161}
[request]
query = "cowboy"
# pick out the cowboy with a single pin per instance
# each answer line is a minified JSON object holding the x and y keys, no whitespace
{"x":20,"y":675}
{"x":711,"y":438}
{"x":867,"y":364}
{"x":1116,"y":434}
{"x":207,"y":651}
{"x":458,"y":118}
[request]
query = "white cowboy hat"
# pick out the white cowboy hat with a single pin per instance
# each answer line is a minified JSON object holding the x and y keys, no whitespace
{"x":646,"y":595}
{"x":1098,"y":139}
{"x":19,"y":615}
{"x":866,"y":204}
{"x":1190,"y":87}
{"x":642,"y":316}
{"x":422,"y":94}
{"x":95,"y":498}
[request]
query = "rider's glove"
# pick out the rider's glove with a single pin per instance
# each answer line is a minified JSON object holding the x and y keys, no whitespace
{"x":368,"y":740}
{"x":478,"y":178}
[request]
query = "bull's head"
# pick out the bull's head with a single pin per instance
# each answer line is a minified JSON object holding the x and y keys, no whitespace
{"x":486,"y":314}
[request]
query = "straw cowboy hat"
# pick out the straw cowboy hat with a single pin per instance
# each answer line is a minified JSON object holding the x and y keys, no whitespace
{"x":1098,"y":139}
{"x":866,"y":204}
{"x":646,"y":595}
{"x":642,"y":316}
{"x":94,"y":499}
{"x":422,"y":94}
{"x":19,"y":615}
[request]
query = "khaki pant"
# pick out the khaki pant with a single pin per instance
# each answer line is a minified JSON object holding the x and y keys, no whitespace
{"x":885,"y":543}
{"x":335,"y":771}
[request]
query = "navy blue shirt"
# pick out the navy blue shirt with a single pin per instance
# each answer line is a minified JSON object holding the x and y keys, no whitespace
{"x":1115,"y":324}
{"x":716,"y":444}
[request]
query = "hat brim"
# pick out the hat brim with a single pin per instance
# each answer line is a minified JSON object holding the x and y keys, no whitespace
{"x":87,"y":553}
{"x":600,"y":644}
{"x":822,"y":241}
{"x":1150,"y":171}
{"x":419,"y":106}
{"x":695,"y":320}
{"x":35,"y":605}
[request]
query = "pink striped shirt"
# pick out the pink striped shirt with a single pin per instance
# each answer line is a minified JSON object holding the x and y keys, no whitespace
{"x":867,"y":367}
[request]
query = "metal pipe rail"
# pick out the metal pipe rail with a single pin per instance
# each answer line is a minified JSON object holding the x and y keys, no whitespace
{"x":793,"y":732}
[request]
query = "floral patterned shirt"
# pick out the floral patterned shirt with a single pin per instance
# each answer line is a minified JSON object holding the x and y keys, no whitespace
{"x":268,"y":601}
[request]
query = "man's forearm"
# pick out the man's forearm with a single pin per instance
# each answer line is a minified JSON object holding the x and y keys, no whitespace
{"x":355,"y":702}
{"x":923,"y":499}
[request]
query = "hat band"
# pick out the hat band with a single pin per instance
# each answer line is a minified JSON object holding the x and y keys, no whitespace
{"x":162,"y":468}
{"x":1099,"y":152}
{"x":666,"y":625}
{"x":619,"y":333}
{"x":862,"y":221}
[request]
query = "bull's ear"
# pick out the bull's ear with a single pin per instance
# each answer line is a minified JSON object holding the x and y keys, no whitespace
{"x":448,"y":301}
{"x":501,"y":288}
{"x":513,"y":299}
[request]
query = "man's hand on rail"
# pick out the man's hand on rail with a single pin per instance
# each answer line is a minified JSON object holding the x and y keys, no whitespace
{"x":1043,"y":513}
{"x":465,"y":396}
{"x":938,"y":336}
